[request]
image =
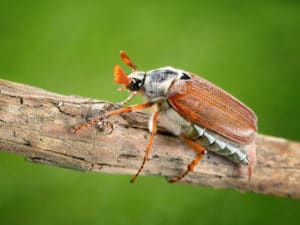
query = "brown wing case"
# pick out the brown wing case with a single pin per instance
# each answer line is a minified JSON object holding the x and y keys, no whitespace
{"x":208,"y":106}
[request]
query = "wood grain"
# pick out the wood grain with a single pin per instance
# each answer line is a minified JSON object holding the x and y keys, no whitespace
{"x":37,"y":124}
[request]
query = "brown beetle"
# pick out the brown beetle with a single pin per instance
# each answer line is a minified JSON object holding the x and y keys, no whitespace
{"x":202,"y":114}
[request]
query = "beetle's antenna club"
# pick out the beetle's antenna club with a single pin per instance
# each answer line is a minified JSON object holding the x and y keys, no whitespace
{"x":120,"y":76}
{"x":127,"y":60}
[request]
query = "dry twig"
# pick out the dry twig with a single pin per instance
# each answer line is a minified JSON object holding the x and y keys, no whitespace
{"x":37,"y":124}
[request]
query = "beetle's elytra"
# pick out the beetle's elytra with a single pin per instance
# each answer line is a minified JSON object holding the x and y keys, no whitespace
{"x":202,"y":114}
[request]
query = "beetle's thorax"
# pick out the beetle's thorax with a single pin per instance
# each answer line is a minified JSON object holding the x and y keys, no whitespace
{"x":158,"y":82}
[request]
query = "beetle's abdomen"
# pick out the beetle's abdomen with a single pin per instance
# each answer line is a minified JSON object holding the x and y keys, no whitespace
{"x":179,"y":126}
{"x":222,"y":146}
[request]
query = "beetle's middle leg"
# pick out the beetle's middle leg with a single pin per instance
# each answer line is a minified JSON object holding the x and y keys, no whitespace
{"x":152,"y":128}
{"x":201,"y":152}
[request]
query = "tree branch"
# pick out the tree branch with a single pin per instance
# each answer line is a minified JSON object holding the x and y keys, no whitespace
{"x":37,"y":124}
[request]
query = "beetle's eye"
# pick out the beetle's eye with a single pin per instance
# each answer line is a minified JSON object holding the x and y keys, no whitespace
{"x":135,"y":85}
{"x":185,"y":76}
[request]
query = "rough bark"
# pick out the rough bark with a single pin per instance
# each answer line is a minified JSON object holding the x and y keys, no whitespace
{"x":37,"y":124}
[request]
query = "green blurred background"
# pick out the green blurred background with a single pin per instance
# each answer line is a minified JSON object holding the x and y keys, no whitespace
{"x":252,"y":50}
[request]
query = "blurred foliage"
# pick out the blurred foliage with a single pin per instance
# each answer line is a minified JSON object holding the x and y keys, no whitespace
{"x":250,"y":49}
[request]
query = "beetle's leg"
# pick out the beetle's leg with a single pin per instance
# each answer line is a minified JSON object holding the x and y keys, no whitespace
{"x":112,"y":113}
{"x":152,"y":129}
{"x":134,"y":93}
{"x":127,"y":60}
{"x":190,"y":167}
{"x":252,"y":159}
{"x":104,"y":124}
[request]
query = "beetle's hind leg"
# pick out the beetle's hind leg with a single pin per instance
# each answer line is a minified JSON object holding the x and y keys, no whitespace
{"x":201,"y":152}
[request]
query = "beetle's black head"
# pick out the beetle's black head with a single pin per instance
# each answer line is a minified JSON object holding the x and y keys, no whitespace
{"x":137,"y":80}
{"x":134,"y":81}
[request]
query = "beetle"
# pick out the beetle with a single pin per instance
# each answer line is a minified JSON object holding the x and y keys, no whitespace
{"x":202,"y":114}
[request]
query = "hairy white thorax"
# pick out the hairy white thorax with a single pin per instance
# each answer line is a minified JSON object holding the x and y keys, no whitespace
{"x":158,"y":82}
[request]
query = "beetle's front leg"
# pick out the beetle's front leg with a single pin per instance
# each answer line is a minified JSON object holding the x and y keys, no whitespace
{"x":134,"y":93}
{"x":112,"y":113}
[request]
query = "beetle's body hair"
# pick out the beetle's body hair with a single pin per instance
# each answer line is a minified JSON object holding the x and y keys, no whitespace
{"x":157,"y":83}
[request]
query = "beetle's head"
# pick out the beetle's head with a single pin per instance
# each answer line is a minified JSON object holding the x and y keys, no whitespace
{"x":134,"y":81}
